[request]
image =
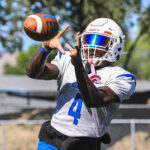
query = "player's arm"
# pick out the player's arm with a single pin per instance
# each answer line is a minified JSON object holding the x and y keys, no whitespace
{"x":38,"y":68}
{"x":92,"y":96}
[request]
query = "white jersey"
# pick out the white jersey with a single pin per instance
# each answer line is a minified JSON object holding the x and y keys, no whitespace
{"x":72,"y":117}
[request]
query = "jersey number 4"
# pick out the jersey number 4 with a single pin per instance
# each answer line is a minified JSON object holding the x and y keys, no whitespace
{"x":76,"y":113}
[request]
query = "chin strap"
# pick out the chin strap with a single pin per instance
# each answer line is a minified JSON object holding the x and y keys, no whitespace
{"x":94,"y":77}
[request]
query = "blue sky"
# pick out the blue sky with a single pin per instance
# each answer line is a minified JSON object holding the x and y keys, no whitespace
{"x":28,"y":42}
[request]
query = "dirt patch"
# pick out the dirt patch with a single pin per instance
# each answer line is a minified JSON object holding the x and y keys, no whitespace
{"x":21,"y":137}
{"x":25,"y":137}
{"x":29,"y":114}
{"x":142,"y":142}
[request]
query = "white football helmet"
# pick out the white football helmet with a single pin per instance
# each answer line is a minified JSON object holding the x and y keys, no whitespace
{"x":103,"y":39}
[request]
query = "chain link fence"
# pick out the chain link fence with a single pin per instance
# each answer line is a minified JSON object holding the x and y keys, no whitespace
{"x":129,"y":134}
{"x":126,"y":134}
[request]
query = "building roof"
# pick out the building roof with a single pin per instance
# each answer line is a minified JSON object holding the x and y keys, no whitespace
{"x":25,"y":86}
{"x":143,"y":86}
{"x":24,"y":83}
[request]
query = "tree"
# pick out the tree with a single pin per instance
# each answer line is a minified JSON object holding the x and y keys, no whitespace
{"x":144,"y":28}
{"x":139,"y":64}
{"x":23,"y":60}
{"x":78,"y":13}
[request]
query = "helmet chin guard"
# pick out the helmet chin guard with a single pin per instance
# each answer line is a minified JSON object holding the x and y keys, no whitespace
{"x":103,"y":40}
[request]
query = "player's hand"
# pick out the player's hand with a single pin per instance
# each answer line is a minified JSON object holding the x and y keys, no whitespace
{"x":54,"y":43}
{"x":75,"y":51}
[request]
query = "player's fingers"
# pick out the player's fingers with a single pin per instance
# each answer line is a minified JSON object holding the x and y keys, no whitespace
{"x":69,"y":48}
{"x":77,"y":48}
{"x":62,"y":31}
{"x":58,"y":20}
{"x":78,"y":42}
{"x":61,"y":49}
{"x":72,"y":50}
{"x":46,"y":43}
{"x":78,"y":39}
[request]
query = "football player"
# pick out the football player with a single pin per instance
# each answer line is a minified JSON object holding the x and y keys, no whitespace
{"x":90,"y":88}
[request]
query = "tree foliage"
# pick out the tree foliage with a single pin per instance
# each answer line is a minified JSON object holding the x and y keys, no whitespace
{"x":23,"y":60}
{"x":144,"y":28}
{"x":78,"y":13}
{"x":139,"y":64}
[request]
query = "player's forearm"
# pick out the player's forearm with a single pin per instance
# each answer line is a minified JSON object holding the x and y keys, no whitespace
{"x":36,"y":65}
{"x":91,"y":95}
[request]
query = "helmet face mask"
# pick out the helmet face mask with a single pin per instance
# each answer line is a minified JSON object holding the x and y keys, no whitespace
{"x":103,"y":40}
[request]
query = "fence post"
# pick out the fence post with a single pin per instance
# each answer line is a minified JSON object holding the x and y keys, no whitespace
{"x":3,"y":135}
{"x":132,"y":123}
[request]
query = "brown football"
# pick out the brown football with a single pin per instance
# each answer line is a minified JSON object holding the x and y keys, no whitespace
{"x":41,"y":27}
